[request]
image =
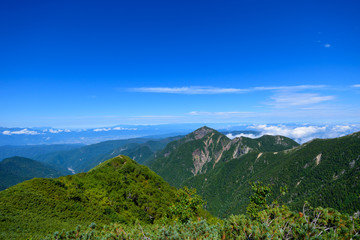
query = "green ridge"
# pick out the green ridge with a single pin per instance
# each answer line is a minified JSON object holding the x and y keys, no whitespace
{"x":325,"y":172}
{"x":176,"y":163}
{"x":118,"y":190}
{"x":18,"y":169}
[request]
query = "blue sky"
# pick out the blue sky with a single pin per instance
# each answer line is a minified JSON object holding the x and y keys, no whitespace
{"x":103,"y":63}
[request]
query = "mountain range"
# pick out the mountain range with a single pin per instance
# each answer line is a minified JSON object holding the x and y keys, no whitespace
{"x":202,"y":150}
{"x":301,"y":133}
{"x":34,"y":151}
{"x":18,"y":169}
{"x":84,"y":158}
{"x":325,"y":172}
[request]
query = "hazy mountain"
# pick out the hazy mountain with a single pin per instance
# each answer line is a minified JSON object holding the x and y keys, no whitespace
{"x":47,"y":135}
{"x":33,"y":151}
{"x":205,"y":148}
{"x":87,"y":157}
{"x":118,"y":190}
{"x":18,"y":169}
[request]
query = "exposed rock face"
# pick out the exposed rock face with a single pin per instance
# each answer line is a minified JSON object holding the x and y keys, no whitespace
{"x":241,"y":150}
{"x":202,"y":132}
{"x":215,"y":146}
{"x":200,"y":151}
{"x":200,"y":158}
{"x":318,"y":159}
{"x":223,"y":149}
{"x":280,"y":140}
{"x":209,"y":153}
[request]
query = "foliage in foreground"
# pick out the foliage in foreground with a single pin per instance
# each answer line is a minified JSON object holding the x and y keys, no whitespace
{"x":264,"y":221}
{"x":274,"y":223}
{"x":118,"y":190}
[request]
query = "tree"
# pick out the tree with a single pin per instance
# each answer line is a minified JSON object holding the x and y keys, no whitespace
{"x":258,"y":199}
{"x":187,"y":205}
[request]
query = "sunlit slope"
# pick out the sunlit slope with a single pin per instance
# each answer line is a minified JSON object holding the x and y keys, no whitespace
{"x":117,"y":190}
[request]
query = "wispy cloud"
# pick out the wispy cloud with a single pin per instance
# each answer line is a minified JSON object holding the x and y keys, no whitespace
{"x":224,"y":114}
{"x":356,"y":86}
{"x":188,"y":90}
{"x":124,"y":129}
{"x":327,"y":45}
{"x":217,"y":90}
{"x":297,"y":99}
{"x":290,"y":88}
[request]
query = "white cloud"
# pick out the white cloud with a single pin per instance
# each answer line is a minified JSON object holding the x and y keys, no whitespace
{"x":248,"y":135}
{"x":223,"y":114}
{"x":356,"y":85}
{"x":341,"y":128}
{"x":189,"y":90}
{"x":296,"y":133}
{"x":51,"y":130}
{"x":55,"y":130}
{"x":297,"y":99}
{"x":121,"y":128}
{"x":115,"y":128}
{"x":327,"y":45}
{"x":102,"y":129}
{"x":23,"y":131}
{"x":303,"y":134}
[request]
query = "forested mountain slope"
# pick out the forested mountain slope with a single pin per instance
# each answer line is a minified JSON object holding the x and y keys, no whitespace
{"x":87,"y":157}
{"x":17,"y":169}
{"x":202,"y":150}
{"x":325,"y":172}
{"x":33,"y":151}
{"x":118,"y":190}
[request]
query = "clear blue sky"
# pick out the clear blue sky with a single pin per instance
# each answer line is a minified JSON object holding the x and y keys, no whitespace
{"x":103,"y":63}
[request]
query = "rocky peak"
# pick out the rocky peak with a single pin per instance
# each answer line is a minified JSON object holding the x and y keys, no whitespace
{"x":201,"y":132}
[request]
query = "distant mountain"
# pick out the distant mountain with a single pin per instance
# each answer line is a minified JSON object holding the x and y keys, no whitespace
{"x":118,"y":190}
{"x":47,"y":135}
{"x":202,"y":150}
{"x":301,"y":133}
{"x":18,"y":169}
{"x":84,"y":158}
{"x":325,"y":172}
{"x":32,"y":151}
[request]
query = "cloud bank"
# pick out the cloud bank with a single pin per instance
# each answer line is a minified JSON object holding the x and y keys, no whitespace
{"x":302,"y":134}
{"x":20,"y":132}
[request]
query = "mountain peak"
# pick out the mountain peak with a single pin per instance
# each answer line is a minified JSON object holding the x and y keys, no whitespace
{"x":201,"y":132}
{"x":114,"y":163}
